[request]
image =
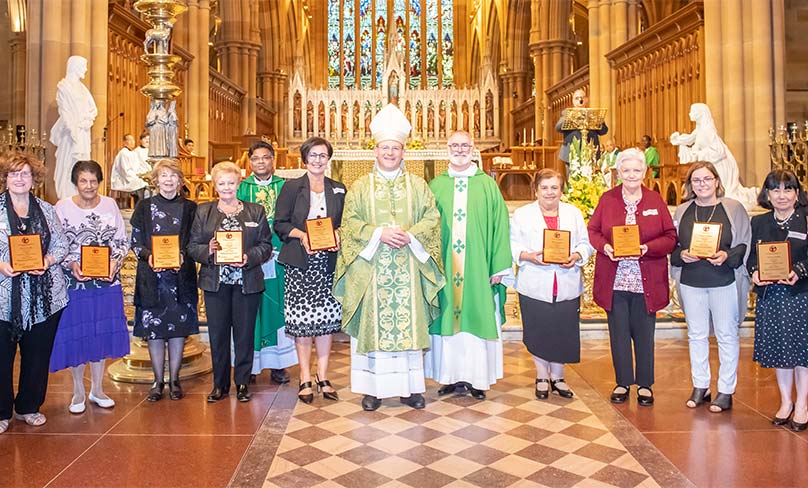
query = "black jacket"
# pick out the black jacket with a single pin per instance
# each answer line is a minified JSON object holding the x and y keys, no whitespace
{"x":146,"y":279}
{"x":765,"y":229}
{"x":291,"y":212}
{"x":257,"y":245}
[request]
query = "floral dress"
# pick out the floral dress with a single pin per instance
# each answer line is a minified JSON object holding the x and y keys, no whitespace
{"x":170,"y":317}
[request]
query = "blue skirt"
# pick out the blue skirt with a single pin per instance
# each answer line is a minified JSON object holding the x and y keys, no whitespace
{"x":92,"y":328}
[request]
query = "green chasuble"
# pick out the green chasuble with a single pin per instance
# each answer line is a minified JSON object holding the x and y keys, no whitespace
{"x":270,"y":316}
{"x":476,"y":245}
{"x":652,"y":160}
{"x":389,"y":301}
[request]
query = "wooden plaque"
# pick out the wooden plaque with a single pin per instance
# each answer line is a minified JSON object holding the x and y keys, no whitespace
{"x":705,"y":239}
{"x":25,"y":251}
{"x":95,"y":261}
{"x":231,"y":243}
{"x":320,"y":233}
{"x":166,"y":251}
{"x":626,"y":241}
{"x":774,"y":260}
{"x":556,"y":248}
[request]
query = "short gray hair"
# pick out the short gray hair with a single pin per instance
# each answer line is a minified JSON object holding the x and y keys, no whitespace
{"x":631,"y":154}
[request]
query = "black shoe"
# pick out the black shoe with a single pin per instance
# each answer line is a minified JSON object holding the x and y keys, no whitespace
{"x":328,"y":395}
{"x":279,"y":376}
{"x":542,"y":394}
{"x":619,"y":397}
{"x":308,"y":397}
{"x":217,"y":394}
{"x":698,"y":397}
{"x":175,"y":390}
{"x":562,"y":393}
{"x":243,"y":393}
{"x":370,"y":403}
{"x":477,"y":394}
{"x":156,"y":392}
{"x":645,"y":400}
{"x":447,"y":389}
{"x":722,"y":402}
{"x":798,"y":427}
{"x":783,"y":421}
{"x":416,"y":400}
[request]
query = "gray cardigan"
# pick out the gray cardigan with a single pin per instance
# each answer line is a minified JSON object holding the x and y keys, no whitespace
{"x":741,"y":234}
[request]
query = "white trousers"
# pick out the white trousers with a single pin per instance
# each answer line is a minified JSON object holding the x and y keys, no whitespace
{"x":720,"y":304}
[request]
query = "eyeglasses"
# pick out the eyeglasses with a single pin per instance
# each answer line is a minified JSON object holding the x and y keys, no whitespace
{"x":455,"y":146}
{"x":256,"y":159}
{"x":702,"y":181}
{"x":315,"y":156}
{"x":19,"y":174}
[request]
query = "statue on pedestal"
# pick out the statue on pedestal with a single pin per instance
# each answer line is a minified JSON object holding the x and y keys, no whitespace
{"x":704,"y":144}
{"x":163,"y":126}
{"x":71,"y":132}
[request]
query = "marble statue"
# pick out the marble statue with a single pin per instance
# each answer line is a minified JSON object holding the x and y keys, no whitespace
{"x":71,"y":132}
{"x":704,"y":144}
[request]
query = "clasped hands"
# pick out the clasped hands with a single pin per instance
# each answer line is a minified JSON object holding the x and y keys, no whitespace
{"x":395,"y":237}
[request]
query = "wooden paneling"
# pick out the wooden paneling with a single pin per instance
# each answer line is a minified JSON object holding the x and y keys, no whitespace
{"x":659,"y":74}
{"x":225,"y":109}
{"x":559,"y":97}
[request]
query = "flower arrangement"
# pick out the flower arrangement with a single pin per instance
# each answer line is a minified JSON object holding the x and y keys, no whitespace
{"x":584,"y":184}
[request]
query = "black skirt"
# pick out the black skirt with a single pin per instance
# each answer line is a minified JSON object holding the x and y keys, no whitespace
{"x":552,"y":331}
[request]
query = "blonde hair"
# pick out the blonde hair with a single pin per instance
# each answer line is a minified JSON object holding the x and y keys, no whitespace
{"x":169,"y":164}
{"x":225,"y":167}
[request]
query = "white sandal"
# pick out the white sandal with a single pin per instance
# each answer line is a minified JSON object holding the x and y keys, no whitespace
{"x":4,"y":425}
{"x":34,"y":419}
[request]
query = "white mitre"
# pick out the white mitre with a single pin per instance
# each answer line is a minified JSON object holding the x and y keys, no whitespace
{"x":390,"y":124}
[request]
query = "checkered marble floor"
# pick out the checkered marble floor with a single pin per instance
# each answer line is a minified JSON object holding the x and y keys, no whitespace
{"x":510,"y":439}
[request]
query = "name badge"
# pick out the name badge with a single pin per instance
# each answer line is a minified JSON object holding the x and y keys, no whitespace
{"x":796,"y":235}
{"x":251,"y":224}
{"x":339,"y":190}
{"x":650,"y":211}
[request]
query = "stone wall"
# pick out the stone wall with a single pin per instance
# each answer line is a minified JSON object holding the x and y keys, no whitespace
{"x":796,"y":72}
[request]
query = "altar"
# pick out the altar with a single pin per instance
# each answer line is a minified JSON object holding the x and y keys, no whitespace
{"x":348,"y":165}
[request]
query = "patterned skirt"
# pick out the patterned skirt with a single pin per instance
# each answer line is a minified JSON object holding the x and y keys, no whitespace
{"x":309,"y":307}
{"x":781,"y":328}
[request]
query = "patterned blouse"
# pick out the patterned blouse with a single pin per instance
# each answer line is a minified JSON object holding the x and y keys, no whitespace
{"x":629,"y":276}
{"x":230,"y":275}
{"x":99,"y":226}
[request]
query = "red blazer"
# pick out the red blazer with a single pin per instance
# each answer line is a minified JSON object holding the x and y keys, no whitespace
{"x":656,"y":231}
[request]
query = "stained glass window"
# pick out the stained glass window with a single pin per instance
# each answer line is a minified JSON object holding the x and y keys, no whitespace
{"x":360,"y":33}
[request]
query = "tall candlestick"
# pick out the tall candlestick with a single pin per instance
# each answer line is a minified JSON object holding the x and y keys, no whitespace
{"x":524,"y":136}
{"x":532,"y":138}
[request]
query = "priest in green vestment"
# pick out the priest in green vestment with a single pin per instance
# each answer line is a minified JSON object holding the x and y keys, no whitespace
{"x":389,"y":271}
{"x":273,"y":349}
{"x":466,"y":339}
{"x":651,"y":155}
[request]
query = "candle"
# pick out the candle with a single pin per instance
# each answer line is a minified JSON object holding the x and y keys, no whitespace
{"x":524,"y":136}
{"x":531,"y":136}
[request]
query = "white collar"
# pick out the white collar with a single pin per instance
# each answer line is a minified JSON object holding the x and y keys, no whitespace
{"x":262,"y":182}
{"x":468,"y":172}
{"x":389,"y":175}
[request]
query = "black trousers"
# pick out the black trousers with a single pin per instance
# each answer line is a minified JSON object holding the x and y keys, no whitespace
{"x":36,"y":346}
{"x":229,"y":309}
{"x":629,"y":322}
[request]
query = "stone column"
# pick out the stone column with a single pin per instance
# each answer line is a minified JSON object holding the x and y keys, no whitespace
{"x":609,"y":27}
{"x":18,"y":78}
{"x":197,"y":20}
{"x":744,"y":77}
{"x":58,"y":29}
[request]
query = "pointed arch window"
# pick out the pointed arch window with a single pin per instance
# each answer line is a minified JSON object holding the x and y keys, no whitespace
{"x":360,"y":33}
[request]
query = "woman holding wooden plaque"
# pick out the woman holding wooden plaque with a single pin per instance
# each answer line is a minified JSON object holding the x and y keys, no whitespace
{"x":308,"y":213}
{"x":33,"y":292}
{"x":93,"y":326}
{"x":550,"y":244}
{"x":778,"y":261}
{"x":231,"y":240}
{"x":165,"y":288}
{"x":633,"y":233}
{"x":708,"y":268}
